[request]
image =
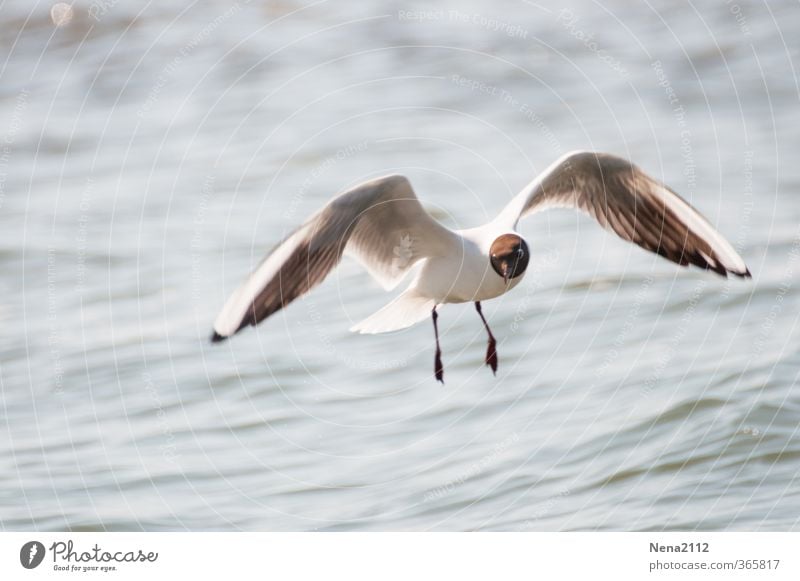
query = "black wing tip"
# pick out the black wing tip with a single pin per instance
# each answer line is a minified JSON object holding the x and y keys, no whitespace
{"x":714,"y":265}
{"x":216,"y":337}
{"x":699,"y":260}
{"x":738,"y":273}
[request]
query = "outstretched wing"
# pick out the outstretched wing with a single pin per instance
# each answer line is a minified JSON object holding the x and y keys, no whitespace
{"x":625,"y":200}
{"x":381,"y":223}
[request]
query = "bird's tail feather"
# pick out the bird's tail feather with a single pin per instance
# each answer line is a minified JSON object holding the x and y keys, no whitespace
{"x":402,"y":312}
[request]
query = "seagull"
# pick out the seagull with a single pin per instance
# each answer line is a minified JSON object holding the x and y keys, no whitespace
{"x":382,"y":224}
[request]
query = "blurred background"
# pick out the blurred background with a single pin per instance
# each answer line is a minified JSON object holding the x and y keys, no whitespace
{"x":152,"y":152}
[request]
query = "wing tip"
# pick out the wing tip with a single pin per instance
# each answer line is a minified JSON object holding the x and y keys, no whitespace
{"x":724,"y":271}
{"x":391,"y":180}
{"x":738,"y":269}
{"x":216,"y":337}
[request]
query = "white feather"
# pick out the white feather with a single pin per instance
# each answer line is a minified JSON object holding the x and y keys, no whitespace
{"x":405,"y":310}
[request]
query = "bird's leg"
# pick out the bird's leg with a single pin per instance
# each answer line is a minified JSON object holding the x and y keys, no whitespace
{"x":438,"y":370}
{"x":491,"y":352}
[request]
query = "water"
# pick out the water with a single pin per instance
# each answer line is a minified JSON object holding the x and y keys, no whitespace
{"x":153,"y":153}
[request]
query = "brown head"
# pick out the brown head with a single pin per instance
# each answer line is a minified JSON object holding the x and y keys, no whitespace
{"x":509,"y":256}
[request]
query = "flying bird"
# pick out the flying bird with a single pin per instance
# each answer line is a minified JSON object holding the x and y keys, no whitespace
{"x":382,"y":224}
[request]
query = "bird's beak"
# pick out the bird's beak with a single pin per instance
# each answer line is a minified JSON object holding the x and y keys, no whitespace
{"x":506,"y":273}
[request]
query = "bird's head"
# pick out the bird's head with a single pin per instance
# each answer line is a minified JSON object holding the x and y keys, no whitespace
{"x":509,"y":256}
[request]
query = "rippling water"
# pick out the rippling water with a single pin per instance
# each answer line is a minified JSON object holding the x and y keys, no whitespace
{"x":152,"y":154}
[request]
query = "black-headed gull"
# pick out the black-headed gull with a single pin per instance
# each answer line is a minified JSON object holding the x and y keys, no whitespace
{"x":382,"y":224}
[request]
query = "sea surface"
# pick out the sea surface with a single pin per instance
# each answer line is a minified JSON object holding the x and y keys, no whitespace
{"x":152,"y":152}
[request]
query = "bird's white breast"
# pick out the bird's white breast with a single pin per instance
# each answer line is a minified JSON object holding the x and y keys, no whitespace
{"x":465,"y":276}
